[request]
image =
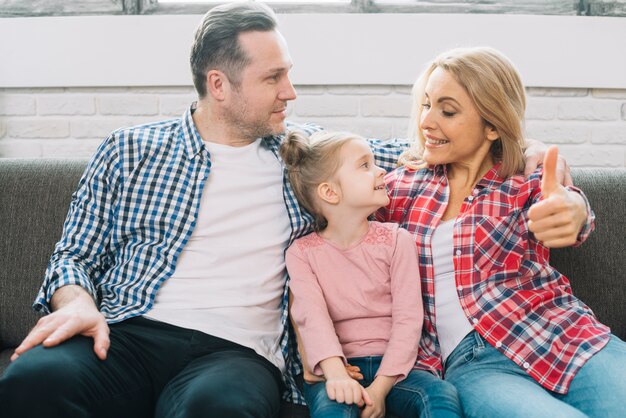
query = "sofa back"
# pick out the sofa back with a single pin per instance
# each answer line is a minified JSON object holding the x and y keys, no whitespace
{"x":35,"y":197}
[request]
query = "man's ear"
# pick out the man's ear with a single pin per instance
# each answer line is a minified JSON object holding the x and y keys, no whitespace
{"x":491,"y":133}
{"x":327,"y":192}
{"x":216,"y":83}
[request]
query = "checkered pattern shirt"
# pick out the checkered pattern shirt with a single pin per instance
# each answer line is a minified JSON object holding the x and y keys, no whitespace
{"x":135,"y":208}
{"x":507,"y":288}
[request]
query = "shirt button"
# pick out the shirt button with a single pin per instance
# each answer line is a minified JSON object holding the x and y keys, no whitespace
{"x":526,"y":365}
{"x":475,"y":192}
{"x":459,"y":288}
{"x":475,"y":321}
{"x":192,"y":219}
{"x":458,"y":252}
{"x":498,"y":344}
{"x":470,"y":198}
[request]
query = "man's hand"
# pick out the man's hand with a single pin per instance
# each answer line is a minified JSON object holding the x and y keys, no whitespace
{"x":535,"y":153}
{"x":74,"y":313}
{"x":560,"y":215}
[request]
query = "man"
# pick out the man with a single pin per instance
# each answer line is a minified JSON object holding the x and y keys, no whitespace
{"x":171,"y":263}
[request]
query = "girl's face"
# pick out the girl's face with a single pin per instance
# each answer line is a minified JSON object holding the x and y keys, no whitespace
{"x":361,"y":182}
{"x":453,"y":129}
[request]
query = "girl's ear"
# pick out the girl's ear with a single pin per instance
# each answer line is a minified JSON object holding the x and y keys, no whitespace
{"x":327,"y":192}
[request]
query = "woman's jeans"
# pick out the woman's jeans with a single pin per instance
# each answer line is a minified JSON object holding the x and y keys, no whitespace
{"x":421,"y":394}
{"x":491,"y":385}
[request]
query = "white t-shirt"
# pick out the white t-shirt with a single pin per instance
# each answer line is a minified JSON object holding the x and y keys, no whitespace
{"x":451,"y":322}
{"x":230,"y":276}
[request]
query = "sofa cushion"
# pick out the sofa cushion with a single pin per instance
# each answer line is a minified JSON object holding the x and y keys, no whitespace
{"x":34,"y":200}
{"x":596,"y":269}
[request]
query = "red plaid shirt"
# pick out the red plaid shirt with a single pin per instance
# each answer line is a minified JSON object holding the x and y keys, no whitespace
{"x":507,"y":289}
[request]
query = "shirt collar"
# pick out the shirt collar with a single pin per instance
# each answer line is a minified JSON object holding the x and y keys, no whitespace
{"x":189,"y":135}
{"x":490,"y":179}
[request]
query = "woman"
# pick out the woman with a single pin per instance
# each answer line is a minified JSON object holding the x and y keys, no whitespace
{"x":501,"y":324}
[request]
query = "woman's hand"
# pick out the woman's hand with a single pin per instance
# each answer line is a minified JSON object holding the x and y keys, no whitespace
{"x":353,"y":371}
{"x":560,"y":215}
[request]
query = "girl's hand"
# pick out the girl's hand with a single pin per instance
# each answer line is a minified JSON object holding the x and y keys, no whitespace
{"x":558,"y":218}
{"x":377,"y":407}
{"x":340,"y":387}
{"x":378,"y":391}
{"x":344,"y":390}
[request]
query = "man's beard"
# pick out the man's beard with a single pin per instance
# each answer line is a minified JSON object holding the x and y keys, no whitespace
{"x":238,"y":118}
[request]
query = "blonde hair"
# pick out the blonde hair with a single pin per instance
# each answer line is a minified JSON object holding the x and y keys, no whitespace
{"x":495,"y":88}
{"x":311,"y":161}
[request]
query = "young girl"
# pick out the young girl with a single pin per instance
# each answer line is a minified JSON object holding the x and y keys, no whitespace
{"x":356,"y":288}
{"x":501,"y":324}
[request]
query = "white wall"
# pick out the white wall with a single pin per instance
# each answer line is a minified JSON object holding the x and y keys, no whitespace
{"x":555,"y":51}
{"x":66,"y":82}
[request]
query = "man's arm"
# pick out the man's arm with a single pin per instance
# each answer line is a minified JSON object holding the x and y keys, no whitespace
{"x":386,"y":154}
{"x":68,"y":293}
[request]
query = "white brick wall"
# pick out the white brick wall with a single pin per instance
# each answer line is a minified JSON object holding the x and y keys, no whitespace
{"x":588,"y":124}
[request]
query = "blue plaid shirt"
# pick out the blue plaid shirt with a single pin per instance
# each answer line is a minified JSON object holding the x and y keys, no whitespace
{"x":136,"y":207}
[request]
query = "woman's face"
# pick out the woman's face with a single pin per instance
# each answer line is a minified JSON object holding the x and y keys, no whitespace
{"x":453,"y":129}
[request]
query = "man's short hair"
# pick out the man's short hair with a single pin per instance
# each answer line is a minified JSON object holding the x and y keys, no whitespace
{"x":216,"y":44}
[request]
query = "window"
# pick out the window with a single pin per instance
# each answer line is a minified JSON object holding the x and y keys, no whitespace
{"x":13,"y":8}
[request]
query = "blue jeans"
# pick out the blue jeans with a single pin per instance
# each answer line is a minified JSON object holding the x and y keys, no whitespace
{"x":421,"y":394}
{"x":491,"y":385}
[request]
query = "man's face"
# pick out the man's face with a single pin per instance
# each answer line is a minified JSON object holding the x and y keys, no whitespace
{"x":257,"y":106}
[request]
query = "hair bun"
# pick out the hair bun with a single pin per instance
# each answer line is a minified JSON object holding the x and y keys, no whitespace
{"x":294,"y":149}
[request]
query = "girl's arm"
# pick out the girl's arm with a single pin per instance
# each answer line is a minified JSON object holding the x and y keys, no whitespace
{"x":309,"y":313}
{"x":308,"y":376}
{"x":407,"y":311}
{"x":320,"y":350}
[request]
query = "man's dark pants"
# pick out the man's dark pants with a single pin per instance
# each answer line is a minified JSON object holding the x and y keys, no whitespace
{"x":152,"y":370}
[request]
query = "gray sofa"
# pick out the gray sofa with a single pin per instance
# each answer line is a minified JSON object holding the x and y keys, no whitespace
{"x":35,"y":196}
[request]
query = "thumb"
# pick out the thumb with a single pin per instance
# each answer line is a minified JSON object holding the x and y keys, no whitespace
{"x":548,"y":181}
{"x":101,"y":342}
{"x":366,"y":397}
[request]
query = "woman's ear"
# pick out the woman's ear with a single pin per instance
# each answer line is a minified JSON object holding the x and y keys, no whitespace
{"x":327,"y":192}
{"x":491,"y":133}
{"x":216,"y":84}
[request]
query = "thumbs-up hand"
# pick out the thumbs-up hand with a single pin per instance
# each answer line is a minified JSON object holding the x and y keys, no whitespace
{"x":560,"y":215}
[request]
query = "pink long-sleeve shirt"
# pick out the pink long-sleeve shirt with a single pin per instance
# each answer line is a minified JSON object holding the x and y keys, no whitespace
{"x":357,"y":302}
